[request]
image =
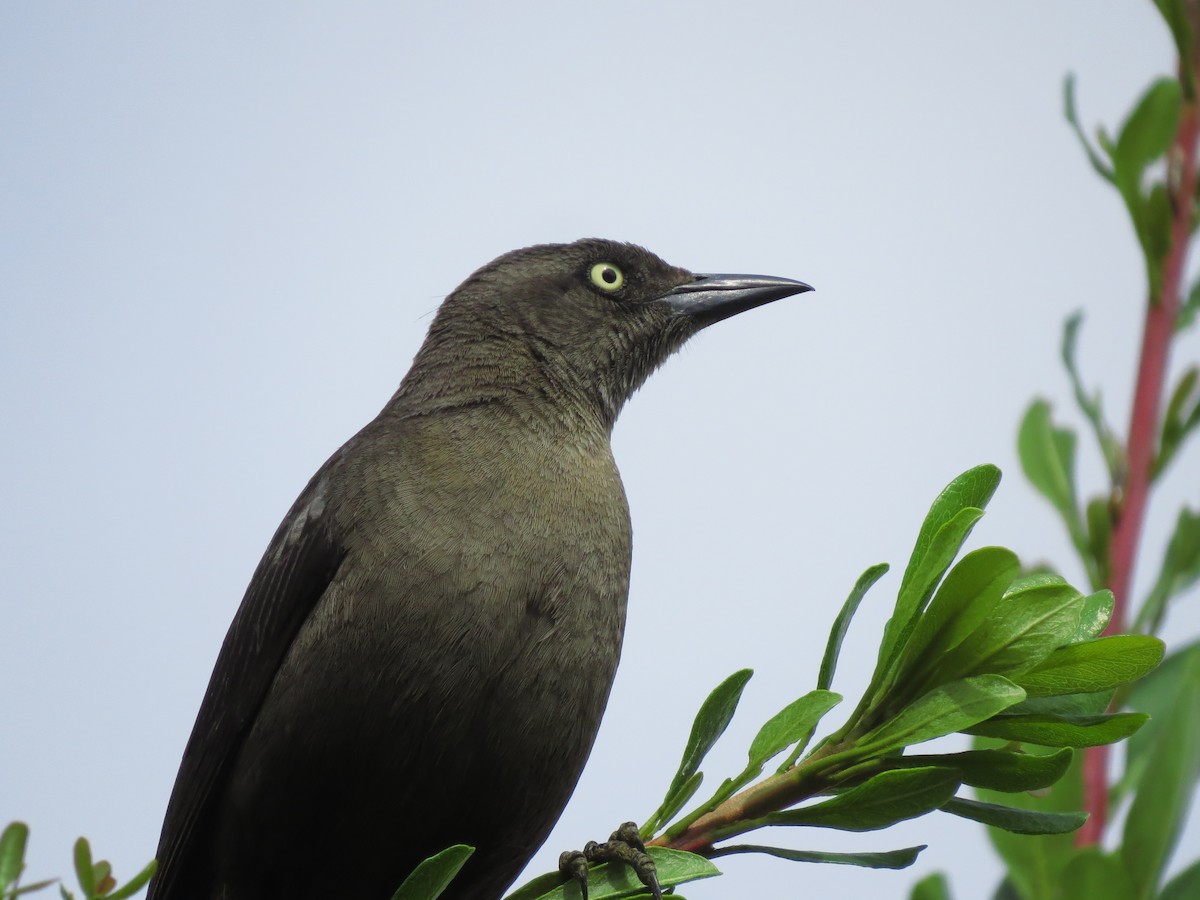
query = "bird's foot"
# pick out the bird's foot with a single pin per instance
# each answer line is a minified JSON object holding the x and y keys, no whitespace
{"x":623,"y":845}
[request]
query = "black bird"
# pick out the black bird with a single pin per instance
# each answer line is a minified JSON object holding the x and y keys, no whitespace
{"x":425,"y":650}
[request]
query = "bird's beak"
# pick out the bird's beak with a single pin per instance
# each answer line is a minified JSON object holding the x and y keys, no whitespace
{"x":711,"y":298}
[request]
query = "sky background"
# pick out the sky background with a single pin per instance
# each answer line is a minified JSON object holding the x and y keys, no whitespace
{"x":224,"y":227}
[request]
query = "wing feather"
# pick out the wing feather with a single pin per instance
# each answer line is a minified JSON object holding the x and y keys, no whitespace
{"x":300,"y":563}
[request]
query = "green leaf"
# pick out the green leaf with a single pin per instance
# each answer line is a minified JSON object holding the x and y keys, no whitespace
{"x":84,"y":870}
{"x":1061,"y":731}
{"x":12,"y":852}
{"x":1068,"y":705}
{"x":1089,"y":403}
{"x":1153,"y":221}
{"x":1160,"y":695}
{"x":1188,"y":308}
{"x":1161,"y":803}
{"x":1185,"y":397}
{"x":433,"y":875}
{"x":970,"y":490}
{"x":677,"y":867}
{"x":1037,"y":614}
{"x":1145,"y":137}
{"x":841,"y":624}
{"x":1018,"y":821}
{"x":673,"y":803}
{"x":794,"y":724}
{"x":966,"y":597}
{"x":1182,"y":414}
{"x":1106,"y":143}
{"x":1098,"y":163}
{"x":913,"y":598}
{"x":1094,"y":617}
{"x":1098,"y":519}
{"x":1184,"y":886}
{"x":944,"y":710}
{"x":887,"y":798}
{"x":1174,"y":13}
{"x":134,"y":884}
{"x":102,"y":875}
{"x":1035,"y":866}
{"x":1193,"y":224}
{"x":999,"y":770}
{"x":710,"y":723}
{"x":1146,"y":134}
{"x":1098,"y":665}
{"x":1179,"y":571}
{"x":35,"y":886}
{"x":614,"y":880}
{"x":1047,"y":457}
{"x":931,"y":887}
{"x":950,"y":519}
{"x":1093,"y":874}
{"x":890,"y":859}
{"x":545,"y":886}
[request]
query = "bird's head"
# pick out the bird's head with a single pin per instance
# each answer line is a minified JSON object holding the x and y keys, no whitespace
{"x":578,"y":326}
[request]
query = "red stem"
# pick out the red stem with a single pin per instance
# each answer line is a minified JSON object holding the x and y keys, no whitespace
{"x":1161,"y":313}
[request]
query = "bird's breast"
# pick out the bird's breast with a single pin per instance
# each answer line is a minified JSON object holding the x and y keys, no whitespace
{"x":489,"y":574}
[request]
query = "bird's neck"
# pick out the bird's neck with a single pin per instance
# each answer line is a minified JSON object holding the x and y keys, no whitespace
{"x":509,"y":379}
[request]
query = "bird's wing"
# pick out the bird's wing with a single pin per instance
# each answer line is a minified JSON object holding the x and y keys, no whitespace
{"x":297,"y":568}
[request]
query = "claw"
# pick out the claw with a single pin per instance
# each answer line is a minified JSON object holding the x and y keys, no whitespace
{"x":625,"y":845}
{"x":629,"y":834}
{"x":574,"y":867}
{"x":643,"y":865}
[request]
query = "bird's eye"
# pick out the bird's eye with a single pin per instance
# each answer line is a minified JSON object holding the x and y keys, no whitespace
{"x":607,"y":277}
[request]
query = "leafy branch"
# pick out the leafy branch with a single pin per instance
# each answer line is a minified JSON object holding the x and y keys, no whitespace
{"x":1152,"y":164}
{"x":96,"y":880}
{"x":974,"y":648}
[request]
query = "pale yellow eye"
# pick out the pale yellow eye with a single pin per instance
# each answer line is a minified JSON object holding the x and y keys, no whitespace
{"x":607,"y":277}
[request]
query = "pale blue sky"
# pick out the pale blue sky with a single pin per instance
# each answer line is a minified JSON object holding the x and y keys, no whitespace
{"x":224,"y":228}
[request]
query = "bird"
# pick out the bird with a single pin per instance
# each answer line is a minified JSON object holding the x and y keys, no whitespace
{"x":423,"y":654}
